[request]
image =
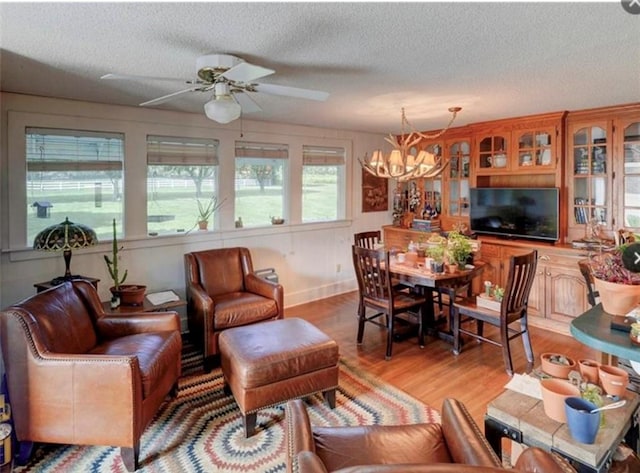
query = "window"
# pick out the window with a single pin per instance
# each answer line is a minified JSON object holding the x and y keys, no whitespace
{"x":74,"y":174}
{"x":180,"y":172}
{"x":261,"y":182}
{"x":323,"y":183}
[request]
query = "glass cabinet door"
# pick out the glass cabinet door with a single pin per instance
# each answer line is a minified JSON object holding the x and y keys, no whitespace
{"x":590,"y":150}
{"x":432,"y":188}
{"x":631,"y":179}
{"x":458,"y":179}
{"x":492,"y":153}
{"x":535,"y":150}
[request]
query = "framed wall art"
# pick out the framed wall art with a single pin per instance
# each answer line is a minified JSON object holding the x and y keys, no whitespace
{"x":375,"y":193}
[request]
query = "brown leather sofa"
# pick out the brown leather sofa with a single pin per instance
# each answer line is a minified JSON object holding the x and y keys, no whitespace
{"x":76,"y":375}
{"x":224,"y":292}
{"x":454,"y":446}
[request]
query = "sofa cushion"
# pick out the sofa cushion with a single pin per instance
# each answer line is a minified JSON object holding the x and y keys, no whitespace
{"x":154,"y":350}
{"x":341,"y":447}
{"x":242,"y":308}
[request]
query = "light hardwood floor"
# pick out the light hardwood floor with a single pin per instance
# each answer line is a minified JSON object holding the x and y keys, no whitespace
{"x":431,"y":374}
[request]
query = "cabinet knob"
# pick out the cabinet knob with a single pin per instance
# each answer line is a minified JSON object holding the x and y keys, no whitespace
{"x":548,"y":273}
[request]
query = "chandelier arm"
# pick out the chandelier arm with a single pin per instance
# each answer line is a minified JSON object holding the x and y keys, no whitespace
{"x":454,"y":111}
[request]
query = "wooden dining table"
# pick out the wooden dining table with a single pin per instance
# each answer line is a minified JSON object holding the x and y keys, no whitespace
{"x":413,"y":274}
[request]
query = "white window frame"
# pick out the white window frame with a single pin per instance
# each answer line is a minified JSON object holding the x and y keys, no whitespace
{"x":322,"y":155}
{"x":18,"y":122}
{"x":164,"y":150}
{"x":249,"y":149}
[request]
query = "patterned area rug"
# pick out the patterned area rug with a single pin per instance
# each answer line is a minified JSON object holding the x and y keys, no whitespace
{"x":201,"y":430}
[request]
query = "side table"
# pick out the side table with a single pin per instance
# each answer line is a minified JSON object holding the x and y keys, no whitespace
{"x":145,"y":307}
{"x":521,"y":418}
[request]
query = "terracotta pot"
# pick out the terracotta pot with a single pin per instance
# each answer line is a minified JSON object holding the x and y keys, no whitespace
{"x":555,"y":369}
{"x":203,"y":224}
{"x":589,"y":370}
{"x":129,"y":294}
{"x":614,"y":380}
{"x":554,"y":392}
{"x":617,"y":299}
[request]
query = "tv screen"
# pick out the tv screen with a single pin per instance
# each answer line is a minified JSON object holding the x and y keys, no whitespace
{"x":515,"y":212}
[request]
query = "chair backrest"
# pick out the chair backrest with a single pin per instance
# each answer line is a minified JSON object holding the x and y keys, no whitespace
{"x":61,"y":319}
{"x":522,"y":271}
{"x":585,"y":269}
{"x":222,"y":270}
{"x":373,"y":280}
{"x":367,"y":239}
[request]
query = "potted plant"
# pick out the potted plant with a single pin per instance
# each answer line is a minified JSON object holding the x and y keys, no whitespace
{"x":125,"y":294}
{"x":206,"y":210}
{"x":458,"y":248}
{"x":619,"y":288}
{"x":436,"y":251}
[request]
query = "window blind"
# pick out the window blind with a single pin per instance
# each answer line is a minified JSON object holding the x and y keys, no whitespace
{"x":246,"y":149}
{"x":50,"y":149}
{"x":322,"y":156}
{"x":174,"y":151}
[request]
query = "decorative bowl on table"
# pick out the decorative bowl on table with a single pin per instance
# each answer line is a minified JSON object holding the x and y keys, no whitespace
{"x":557,"y":364}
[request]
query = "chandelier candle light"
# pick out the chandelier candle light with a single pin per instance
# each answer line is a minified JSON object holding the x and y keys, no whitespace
{"x":402,"y":163}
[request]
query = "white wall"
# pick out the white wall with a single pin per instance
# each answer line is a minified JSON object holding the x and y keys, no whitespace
{"x":312,"y":260}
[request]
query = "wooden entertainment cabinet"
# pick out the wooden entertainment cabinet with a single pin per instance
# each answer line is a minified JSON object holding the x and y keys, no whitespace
{"x":591,"y":156}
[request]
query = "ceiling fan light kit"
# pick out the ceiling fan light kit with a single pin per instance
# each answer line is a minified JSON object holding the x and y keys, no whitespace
{"x":232,"y":80}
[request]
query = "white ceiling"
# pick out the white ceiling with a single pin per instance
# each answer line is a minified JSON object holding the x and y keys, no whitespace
{"x":496,"y":60}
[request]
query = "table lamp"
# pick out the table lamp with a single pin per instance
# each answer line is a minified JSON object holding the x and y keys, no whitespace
{"x":65,"y":236}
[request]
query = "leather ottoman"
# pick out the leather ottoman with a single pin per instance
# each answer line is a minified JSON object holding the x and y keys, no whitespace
{"x":269,"y":363}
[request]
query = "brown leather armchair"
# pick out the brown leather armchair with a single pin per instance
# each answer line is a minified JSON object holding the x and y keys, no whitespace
{"x":454,"y":446}
{"x":76,"y":375}
{"x":224,"y":292}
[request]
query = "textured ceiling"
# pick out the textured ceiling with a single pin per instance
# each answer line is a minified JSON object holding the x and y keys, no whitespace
{"x":496,"y":60}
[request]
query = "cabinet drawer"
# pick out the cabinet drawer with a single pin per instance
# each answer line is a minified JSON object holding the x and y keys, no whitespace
{"x":560,"y":260}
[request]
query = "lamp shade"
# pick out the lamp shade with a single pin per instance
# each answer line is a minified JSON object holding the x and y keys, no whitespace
{"x":222,"y":109}
{"x":64,"y":237}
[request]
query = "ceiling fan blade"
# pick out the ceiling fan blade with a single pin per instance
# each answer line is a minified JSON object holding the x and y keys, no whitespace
{"x":139,"y":78}
{"x":245,"y":72}
{"x":274,"y":89}
{"x":247,"y":103}
{"x":168,"y":97}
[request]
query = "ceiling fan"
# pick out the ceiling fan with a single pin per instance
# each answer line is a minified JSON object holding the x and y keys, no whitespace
{"x":230,"y":80}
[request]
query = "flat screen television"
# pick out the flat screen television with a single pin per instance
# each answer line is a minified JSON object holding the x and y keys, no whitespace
{"x":530,"y":212}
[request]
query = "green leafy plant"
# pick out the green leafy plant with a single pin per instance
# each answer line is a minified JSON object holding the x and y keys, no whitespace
{"x":112,"y":263}
{"x":458,"y":248}
{"x":498,"y":293}
{"x":436,"y":249}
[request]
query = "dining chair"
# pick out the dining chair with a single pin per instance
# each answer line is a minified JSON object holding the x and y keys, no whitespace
{"x":522,"y":270}
{"x":367,"y":239}
{"x":592,"y":294}
{"x":377,"y":292}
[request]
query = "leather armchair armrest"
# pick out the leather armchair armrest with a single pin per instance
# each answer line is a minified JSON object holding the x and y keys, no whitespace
{"x":201,"y":302}
{"x":114,"y":326}
{"x":298,"y":433}
{"x":309,"y":462}
{"x":265,"y":288}
{"x":534,"y":460}
{"x":466,"y":443}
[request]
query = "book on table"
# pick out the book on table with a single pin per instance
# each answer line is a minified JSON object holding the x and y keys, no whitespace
{"x":158,"y":298}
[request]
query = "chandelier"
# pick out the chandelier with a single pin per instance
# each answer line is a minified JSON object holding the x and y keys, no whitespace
{"x":402,"y":163}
